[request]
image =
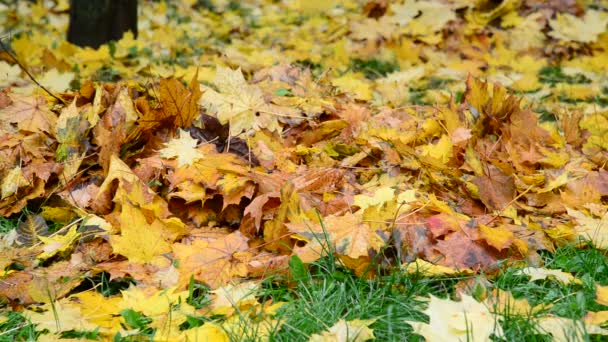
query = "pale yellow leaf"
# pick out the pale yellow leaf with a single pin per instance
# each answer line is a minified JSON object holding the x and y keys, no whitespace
{"x":183,"y":149}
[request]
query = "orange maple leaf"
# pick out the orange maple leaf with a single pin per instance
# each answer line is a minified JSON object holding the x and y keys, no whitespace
{"x":214,"y":263}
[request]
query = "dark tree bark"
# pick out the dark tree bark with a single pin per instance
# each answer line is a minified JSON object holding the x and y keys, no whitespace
{"x":95,"y":22}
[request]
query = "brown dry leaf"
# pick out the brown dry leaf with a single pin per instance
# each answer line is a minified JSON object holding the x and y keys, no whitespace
{"x":496,"y":189}
{"x":462,"y":252}
{"x":31,"y":114}
{"x":113,"y":130}
{"x":179,"y":103}
{"x":16,"y":287}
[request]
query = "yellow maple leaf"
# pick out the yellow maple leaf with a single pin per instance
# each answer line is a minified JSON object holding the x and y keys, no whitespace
{"x":354,"y":83}
{"x":432,"y":16}
{"x":54,"y":245}
{"x":505,"y":304}
{"x":485,"y":11}
{"x":428,"y":269}
{"x":126,"y":44}
{"x":527,"y":33}
{"x":206,"y":332}
{"x":567,"y":27}
{"x":598,"y":318}
{"x":62,"y":315}
{"x":380,"y":196}
{"x":438,"y":154}
{"x":536,"y":273}
{"x":57,"y":81}
{"x":13,"y":180}
{"x":151,"y":301}
{"x":8,"y":73}
{"x":467,"y":320}
{"x":497,"y":237}
{"x":601,"y":294}
{"x":372,"y":29}
{"x":597,"y":125}
{"x":238,"y":103}
{"x":594,"y":229}
{"x":100,"y":310}
{"x":118,"y":170}
{"x":183,"y":149}
{"x":234,"y":298}
{"x":166,"y":307}
{"x":356,"y":330}
{"x":139,"y":241}
{"x":565,"y":329}
{"x":348,"y":235}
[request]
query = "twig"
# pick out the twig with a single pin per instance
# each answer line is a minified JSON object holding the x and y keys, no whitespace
{"x":4,"y":48}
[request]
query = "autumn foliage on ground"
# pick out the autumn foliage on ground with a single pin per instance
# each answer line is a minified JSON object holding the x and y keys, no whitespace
{"x":441,"y":137}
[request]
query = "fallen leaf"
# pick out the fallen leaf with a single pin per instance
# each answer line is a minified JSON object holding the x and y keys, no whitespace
{"x":356,"y":330}
{"x":215,"y":263}
{"x":585,"y":30}
{"x":593,"y":229}
{"x":565,"y":330}
{"x":139,"y":240}
{"x":542,"y":273}
{"x":457,"y":321}
{"x":601,"y":294}
{"x":183,"y":149}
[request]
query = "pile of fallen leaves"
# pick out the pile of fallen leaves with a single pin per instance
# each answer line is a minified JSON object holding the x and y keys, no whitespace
{"x":287,"y":129}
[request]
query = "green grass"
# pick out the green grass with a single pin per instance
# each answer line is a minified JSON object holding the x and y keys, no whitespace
{"x":316,"y":296}
{"x":555,"y":74}
{"x":564,"y":300}
{"x":328,"y":293}
{"x":17,"y":328}
{"x":373,"y":68}
{"x":6,"y":225}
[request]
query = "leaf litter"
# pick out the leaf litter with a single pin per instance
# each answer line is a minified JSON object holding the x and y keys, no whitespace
{"x":446,"y":137}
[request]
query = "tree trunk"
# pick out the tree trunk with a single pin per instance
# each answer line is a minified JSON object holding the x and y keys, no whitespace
{"x":95,"y":22}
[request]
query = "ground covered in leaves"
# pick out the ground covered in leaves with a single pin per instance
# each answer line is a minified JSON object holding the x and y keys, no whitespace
{"x":303,"y":170}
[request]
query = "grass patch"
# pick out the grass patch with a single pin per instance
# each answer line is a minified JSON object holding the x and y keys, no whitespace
{"x":6,"y":225}
{"x":373,"y":68}
{"x":326,"y":293}
{"x":17,"y":328}
{"x":316,"y":296}
{"x":555,"y":74}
